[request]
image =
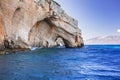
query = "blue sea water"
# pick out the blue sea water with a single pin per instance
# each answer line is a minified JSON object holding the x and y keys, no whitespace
{"x":92,"y":62}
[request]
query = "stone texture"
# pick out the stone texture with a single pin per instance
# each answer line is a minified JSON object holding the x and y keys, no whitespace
{"x":36,"y":23}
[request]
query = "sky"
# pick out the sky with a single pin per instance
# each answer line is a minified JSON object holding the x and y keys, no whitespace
{"x":95,"y":17}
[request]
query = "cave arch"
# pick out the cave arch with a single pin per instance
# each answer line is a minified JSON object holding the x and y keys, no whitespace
{"x":40,"y":34}
{"x":59,"y":41}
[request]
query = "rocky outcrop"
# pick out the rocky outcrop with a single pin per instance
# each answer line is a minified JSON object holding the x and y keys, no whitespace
{"x":36,"y":23}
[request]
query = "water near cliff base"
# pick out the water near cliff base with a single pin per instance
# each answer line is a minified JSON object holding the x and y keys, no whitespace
{"x":87,"y":63}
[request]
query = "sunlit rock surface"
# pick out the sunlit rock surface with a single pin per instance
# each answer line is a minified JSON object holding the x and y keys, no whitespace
{"x":36,"y":23}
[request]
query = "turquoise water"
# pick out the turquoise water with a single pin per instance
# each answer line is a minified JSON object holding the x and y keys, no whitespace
{"x":87,"y":63}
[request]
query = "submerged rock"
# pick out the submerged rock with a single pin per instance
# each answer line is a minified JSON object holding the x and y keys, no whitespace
{"x":36,"y":23}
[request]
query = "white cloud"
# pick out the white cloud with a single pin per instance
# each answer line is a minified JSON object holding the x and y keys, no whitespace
{"x":118,"y":30}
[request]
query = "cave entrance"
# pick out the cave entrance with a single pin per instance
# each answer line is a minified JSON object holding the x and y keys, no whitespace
{"x":60,"y":42}
{"x":41,"y":34}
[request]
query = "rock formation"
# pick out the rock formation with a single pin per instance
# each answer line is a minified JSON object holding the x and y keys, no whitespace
{"x":36,"y":23}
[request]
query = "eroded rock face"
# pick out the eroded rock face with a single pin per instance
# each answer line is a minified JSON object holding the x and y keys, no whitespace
{"x":36,"y":23}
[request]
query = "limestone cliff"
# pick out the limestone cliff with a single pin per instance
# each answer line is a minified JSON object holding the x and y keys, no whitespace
{"x":36,"y":23}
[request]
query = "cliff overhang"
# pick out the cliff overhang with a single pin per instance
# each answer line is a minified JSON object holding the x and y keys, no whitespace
{"x":36,"y":23}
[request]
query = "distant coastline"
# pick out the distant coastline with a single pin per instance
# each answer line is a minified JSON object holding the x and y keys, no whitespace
{"x":104,"y":40}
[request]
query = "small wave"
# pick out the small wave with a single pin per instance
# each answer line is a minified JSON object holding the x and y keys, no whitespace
{"x":98,"y":67}
{"x":99,"y":70}
{"x":92,"y":73}
{"x":33,"y":48}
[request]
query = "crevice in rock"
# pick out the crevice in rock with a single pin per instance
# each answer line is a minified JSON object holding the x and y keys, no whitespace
{"x":21,"y":0}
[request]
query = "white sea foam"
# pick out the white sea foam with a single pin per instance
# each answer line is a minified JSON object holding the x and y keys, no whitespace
{"x":33,"y":48}
{"x":60,"y":44}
